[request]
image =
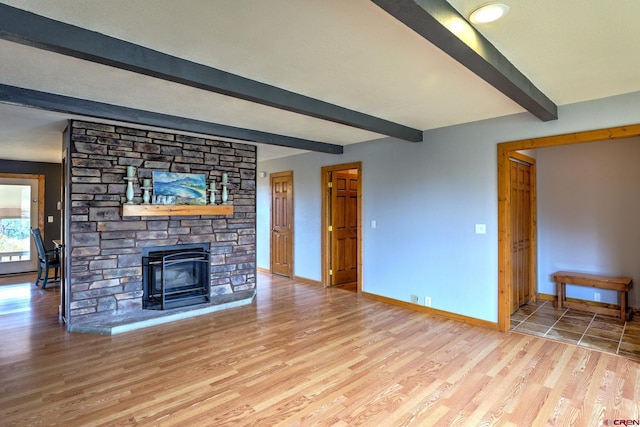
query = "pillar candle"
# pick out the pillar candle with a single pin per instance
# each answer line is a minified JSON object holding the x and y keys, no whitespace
{"x":130,"y":171}
{"x":146,"y":182}
{"x":212,"y":185}
{"x":224,"y":177}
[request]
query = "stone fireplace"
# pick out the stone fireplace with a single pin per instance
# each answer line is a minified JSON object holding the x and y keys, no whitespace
{"x":105,"y":248}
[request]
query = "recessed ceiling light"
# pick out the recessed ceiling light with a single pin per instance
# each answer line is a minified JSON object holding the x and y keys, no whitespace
{"x":488,"y":13}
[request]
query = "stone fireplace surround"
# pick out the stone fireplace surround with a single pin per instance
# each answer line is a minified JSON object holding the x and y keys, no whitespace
{"x":105,"y":248}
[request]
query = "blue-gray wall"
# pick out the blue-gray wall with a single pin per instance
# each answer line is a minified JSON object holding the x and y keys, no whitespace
{"x":426,"y":199}
{"x":588,"y":214}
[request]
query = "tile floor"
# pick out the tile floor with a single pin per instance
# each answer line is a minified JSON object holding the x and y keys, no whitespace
{"x":581,"y":328}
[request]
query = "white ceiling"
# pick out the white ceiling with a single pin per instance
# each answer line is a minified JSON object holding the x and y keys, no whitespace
{"x":350,"y":53}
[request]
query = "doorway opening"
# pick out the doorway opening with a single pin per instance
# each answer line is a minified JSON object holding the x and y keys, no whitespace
{"x":342,"y":226}
{"x":21,"y":209}
{"x":505,"y":218}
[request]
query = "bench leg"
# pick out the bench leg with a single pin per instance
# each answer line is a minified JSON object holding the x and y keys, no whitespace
{"x":623,"y":306}
{"x":560,"y":290}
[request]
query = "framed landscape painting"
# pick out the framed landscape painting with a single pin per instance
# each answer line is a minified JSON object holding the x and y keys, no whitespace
{"x":184,"y":188}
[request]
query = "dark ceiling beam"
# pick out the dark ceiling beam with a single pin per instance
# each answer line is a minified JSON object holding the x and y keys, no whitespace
{"x":27,"y":28}
{"x":442,"y":25}
{"x":82,"y":107}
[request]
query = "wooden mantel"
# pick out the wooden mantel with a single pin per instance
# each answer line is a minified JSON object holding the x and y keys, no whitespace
{"x":168,"y":210}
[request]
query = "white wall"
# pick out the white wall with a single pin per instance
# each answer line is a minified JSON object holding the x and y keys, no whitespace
{"x":588,"y":206}
{"x":426,"y":198}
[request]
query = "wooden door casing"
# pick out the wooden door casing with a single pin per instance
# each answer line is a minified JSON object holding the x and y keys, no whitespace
{"x":504,"y":152}
{"x":344,"y":223}
{"x":282,"y":224}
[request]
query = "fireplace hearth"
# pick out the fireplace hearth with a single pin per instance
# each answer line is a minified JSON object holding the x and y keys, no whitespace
{"x":175,"y":276}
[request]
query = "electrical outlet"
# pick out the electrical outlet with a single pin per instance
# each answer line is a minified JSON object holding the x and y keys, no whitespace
{"x":427,"y":301}
{"x":414,"y":299}
{"x":596,"y":296}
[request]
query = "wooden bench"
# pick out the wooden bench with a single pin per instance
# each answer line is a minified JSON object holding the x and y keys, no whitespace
{"x":620,"y":284}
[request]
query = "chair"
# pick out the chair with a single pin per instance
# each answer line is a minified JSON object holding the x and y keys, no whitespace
{"x":47,"y":259}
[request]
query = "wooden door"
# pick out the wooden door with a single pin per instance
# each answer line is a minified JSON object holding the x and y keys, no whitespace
{"x":522,"y":288}
{"x":344,"y":227}
{"x":282,"y":223}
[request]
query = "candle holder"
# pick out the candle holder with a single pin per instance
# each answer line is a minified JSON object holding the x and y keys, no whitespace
{"x":146,"y":195}
{"x":225,"y":193}
{"x":212,"y":193}
{"x":146,"y":191}
{"x":129,"y":192}
{"x":225,"y":190}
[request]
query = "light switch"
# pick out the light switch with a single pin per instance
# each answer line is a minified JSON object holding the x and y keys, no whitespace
{"x":50,"y":218}
{"x":481,"y":228}
{"x":374,"y":223}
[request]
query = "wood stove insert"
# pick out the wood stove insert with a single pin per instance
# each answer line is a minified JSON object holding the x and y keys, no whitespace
{"x":175,"y":276}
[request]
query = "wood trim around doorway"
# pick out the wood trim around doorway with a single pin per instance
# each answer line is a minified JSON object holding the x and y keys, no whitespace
{"x":326,"y":218}
{"x":505,"y":150}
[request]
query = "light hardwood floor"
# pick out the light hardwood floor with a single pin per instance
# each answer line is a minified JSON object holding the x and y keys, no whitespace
{"x":300,"y":355}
